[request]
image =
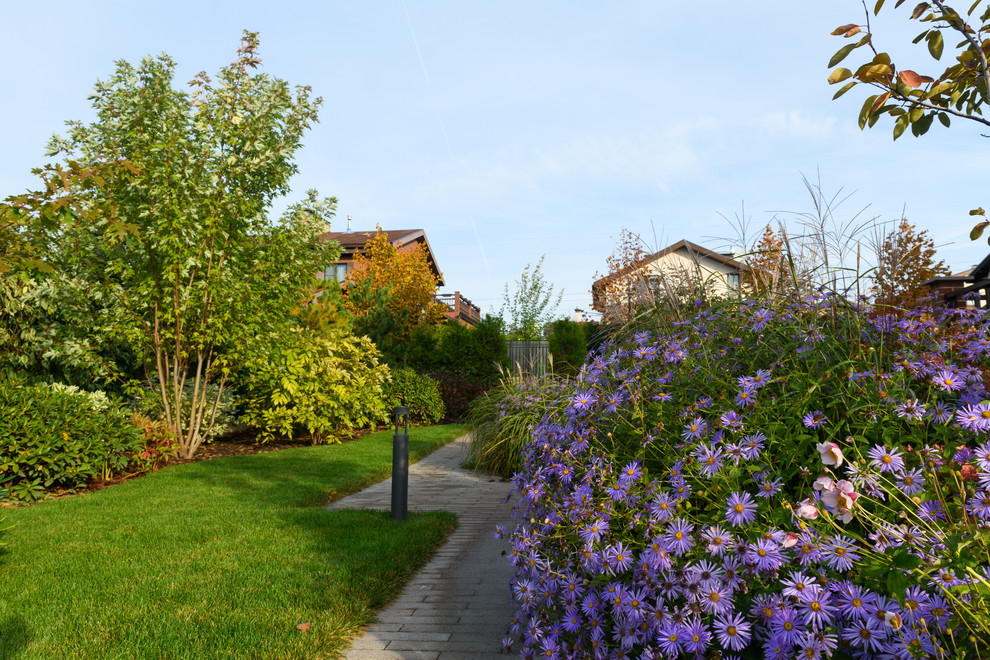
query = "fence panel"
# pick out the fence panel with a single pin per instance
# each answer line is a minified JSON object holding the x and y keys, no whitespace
{"x":529,"y":357}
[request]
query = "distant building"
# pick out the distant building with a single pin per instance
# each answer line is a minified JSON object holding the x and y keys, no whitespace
{"x":679,"y":270}
{"x":459,"y":308}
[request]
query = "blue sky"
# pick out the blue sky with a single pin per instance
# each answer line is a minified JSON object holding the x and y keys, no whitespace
{"x":508,"y":130}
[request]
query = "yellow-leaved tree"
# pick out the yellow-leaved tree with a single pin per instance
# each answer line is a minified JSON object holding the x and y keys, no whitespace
{"x":390,"y":291}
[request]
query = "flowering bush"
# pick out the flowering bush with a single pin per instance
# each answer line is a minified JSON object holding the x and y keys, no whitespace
{"x":776,"y":481}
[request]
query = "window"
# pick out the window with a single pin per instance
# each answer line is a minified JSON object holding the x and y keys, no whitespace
{"x":733,"y":281}
{"x":336,"y":272}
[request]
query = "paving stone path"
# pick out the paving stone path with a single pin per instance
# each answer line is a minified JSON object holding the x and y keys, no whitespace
{"x":458,"y":606}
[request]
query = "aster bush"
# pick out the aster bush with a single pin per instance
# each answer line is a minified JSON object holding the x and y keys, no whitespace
{"x":802,"y":479}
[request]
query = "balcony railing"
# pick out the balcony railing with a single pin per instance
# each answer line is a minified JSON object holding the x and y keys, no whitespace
{"x":459,"y":308}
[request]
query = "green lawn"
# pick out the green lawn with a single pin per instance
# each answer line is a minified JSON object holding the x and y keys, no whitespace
{"x":215,"y":559}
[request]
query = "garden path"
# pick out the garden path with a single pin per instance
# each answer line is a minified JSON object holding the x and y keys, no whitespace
{"x":458,"y":606}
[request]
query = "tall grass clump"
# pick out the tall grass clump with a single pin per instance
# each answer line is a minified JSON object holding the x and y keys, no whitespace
{"x":502,"y":419}
{"x":800,"y":478}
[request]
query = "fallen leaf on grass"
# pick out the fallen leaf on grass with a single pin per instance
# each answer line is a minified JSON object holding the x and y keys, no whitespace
{"x":303,"y":626}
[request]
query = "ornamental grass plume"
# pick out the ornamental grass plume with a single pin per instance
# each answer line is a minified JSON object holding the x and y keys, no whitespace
{"x":844,"y":511}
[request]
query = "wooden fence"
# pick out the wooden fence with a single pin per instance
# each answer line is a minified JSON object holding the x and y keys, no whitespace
{"x":529,"y":357}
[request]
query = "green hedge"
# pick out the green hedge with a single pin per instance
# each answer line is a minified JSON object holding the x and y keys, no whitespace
{"x":59,"y":437}
{"x":420,"y":392}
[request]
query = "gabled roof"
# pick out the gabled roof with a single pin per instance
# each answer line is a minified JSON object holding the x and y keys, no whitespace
{"x":682,"y":244}
{"x":355,"y":241}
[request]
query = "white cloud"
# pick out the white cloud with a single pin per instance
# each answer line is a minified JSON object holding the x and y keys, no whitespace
{"x":796,"y":124}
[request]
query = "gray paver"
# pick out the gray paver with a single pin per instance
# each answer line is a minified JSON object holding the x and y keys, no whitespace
{"x":465,"y":608}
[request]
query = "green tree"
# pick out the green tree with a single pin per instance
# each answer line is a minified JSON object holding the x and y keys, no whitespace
{"x":531,"y":306}
{"x":175,"y":230}
{"x":568,"y":346}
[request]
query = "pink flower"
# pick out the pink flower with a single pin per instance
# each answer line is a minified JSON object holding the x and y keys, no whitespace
{"x":824,"y":483}
{"x":807,"y":510}
{"x":830,"y":454}
{"x":840,"y":500}
{"x":791,"y":539}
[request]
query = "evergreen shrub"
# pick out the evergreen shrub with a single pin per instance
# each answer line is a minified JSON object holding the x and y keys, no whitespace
{"x":57,"y":437}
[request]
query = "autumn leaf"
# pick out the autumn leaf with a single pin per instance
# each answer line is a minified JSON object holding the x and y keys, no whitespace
{"x":304,"y":627}
{"x":909,"y":78}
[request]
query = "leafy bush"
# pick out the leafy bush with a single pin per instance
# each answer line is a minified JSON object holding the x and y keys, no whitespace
{"x":59,"y":437}
{"x":324,"y":383}
{"x":568,"y":346}
{"x":477,"y":353}
{"x":457,"y":392}
{"x":147,"y":402}
{"x":417,"y":391}
{"x":785,"y":481}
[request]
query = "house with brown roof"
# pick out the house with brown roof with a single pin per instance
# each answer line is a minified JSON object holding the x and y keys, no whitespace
{"x":674,"y":273}
{"x":459,"y":308}
{"x":953,"y":289}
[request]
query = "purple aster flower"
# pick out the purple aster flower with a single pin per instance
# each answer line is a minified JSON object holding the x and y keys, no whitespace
{"x":796,"y":583}
{"x":717,"y":540}
{"x":583,"y":400}
{"x":814,"y":420}
{"x":948,"y":381}
{"x":695,"y":429}
{"x":733,"y":632}
{"x":911,"y":482}
{"x":931,"y":511}
{"x":765,"y":555}
{"x":911,"y":409}
{"x":709,"y":460}
{"x":917,"y":605}
{"x":572,"y":621}
{"x":753,"y":445}
{"x":886,"y":460}
{"x":864,"y":634}
{"x":678,"y":536}
{"x":697,"y":637}
{"x":618,"y":491}
{"x":839,"y":553}
{"x":769,"y":488}
{"x":663,"y":507}
{"x":855,"y":601}
{"x":982,"y":456}
{"x":816,"y":604}
{"x":631,"y":472}
{"x":974,"y":417}
{"x":963,"y":455}
{"x":979,"y":505}
{"x":942,"y":412}
{"x":715,"y":599}
{"x":786,"y":626}
{"x":593,"y":532}
{"x":740,"y":509}
{"x":731,"y":420}
{"x":746,"y":397}
{"x":671,"y":639}
{"x":759,"y":319}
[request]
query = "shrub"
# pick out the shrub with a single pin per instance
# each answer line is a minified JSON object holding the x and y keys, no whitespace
{"x":568,"y":346}
{"x":457,"y":392}
{"x":477,"y":353}
{"x":59,"y":437}
{"x":417,"y":391}
{"x":324,"y":383}
{"x":691,"y":496}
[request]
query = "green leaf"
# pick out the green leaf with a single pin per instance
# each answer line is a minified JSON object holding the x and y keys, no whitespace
{"x":897,"y":583}
{"x":978,"y":211}
{"x":865,"y":112}
{"x":935,"y":44}
{"x":839,"y":75}
{"x":876,"y":8}
{"x":841,"y":54}
{"x":900,"y":126}
{"x":944,"y":119}
{"x":978,"y":229}
{"x":845,"y":88}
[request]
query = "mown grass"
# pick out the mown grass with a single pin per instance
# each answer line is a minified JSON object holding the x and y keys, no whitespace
{"x":216,"y":559}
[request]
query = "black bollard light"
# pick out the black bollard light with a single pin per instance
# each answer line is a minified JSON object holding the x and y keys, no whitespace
{"x":400,"y":465}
